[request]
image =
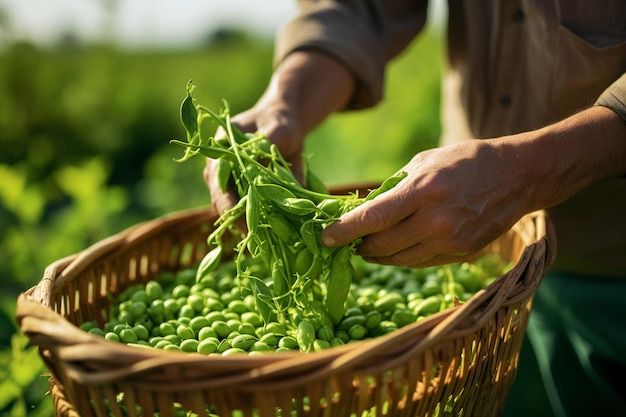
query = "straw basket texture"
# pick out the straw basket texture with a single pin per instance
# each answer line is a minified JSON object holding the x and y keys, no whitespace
{"x":458,"y":362}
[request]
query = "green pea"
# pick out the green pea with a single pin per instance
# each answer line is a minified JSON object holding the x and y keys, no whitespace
{"x":247,"y":328}
{"x":238,"y":306}
{"x":342,"y":335}
{"x":325,"y":333}
{"x":221,"y":328}
{"x":389,"y":302}
{"x":173,"y":339}
{"x":141,"y":332}
{"x":196,"y":302}
{"x":288,"y":342}
{"x":171,"y":305}
{"x":97,"y":331}
{"x":429,"y":305}
{"x":128,"y":336}
{"x":372,"y":319}
{"x":357,"y":332}
{"x":403,"y":317}
{"x":348,"y":322}
{"x":275,"y":327}
{"x":156,"y":311}
{"x":172,"y":347}
{"x":184,"y":332}
{"x":88,"y":325}
{"x":189,"y":345}
{"x":167,"y":329}
{"x":139,"y":295}
{"x":197,"y":323}
{"x":208,"y":345}
{"x":215,"y":316}
{"x":112,"y":336}
{"x":224,"y":346}
{"x":320,"y":344}
{"x":251,"y":318}
{"x":335,"y":341}
{"x":243,"y":341}
{"x":155,"y":339}
{"x":233,"y":351}
{"x":154,"y":290}
{"x":206,"y":332}
{"x":181,"y":290}
{"x":162,"y":343}
{"x":271,"y":339}
{"x":431,"y":287}
{"x":259,"y":346}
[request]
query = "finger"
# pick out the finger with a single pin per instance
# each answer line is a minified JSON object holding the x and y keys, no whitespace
{"x":370,"y":217}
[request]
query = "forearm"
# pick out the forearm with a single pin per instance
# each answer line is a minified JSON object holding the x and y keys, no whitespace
{"x":554,"y":163}
{"x":310,"y":85}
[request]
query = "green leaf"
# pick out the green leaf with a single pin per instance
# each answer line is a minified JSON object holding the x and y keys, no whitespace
{"x":189,"y":114}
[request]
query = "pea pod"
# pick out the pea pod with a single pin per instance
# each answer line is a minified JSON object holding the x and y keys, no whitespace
{"x":252,"y":211}
{"x":387,"y":185}
{"x":210,"y":261}
{"x":305,"y":335}
{"x":282,"y":228}
{"x":189,"y":114}
{"x":338,"y":283}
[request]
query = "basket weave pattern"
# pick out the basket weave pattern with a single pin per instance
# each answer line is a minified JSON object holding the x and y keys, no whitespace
{"x":458,"y":362}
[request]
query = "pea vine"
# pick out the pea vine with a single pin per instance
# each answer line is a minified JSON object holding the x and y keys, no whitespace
{"x":284,"y":218}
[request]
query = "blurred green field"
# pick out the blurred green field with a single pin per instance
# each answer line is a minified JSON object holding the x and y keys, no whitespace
{"x":84,"y":153}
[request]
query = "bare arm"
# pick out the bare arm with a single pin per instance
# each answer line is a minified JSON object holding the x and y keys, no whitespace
{"x":459,"y":198}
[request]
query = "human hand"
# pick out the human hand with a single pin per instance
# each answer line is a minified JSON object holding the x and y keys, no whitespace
{"x":454,"y":201}
{"x":305,"y":88}
{"x":280,"y":129}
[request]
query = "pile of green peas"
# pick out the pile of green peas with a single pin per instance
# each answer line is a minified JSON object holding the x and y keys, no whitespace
{"x":218,"y":314}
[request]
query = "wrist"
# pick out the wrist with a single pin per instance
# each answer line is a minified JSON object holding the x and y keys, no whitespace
{"x":555,"y":162}
{"x":311,"y":85}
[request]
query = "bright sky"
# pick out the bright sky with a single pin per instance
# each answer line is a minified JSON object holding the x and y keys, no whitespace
{"x":144,"y":22}
{"x":141,"y":22}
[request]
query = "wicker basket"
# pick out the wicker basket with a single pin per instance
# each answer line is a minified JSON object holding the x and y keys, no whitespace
{"x":474,"y":347}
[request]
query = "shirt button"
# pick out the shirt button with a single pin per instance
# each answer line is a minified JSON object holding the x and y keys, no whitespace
{"x":505,"y":100}
{"x":518,"y":15}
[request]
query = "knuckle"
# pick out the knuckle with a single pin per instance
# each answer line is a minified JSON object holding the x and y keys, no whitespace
{"x":372,"y":219}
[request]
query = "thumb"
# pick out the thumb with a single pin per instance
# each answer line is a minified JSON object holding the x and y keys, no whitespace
{"x":359,"y":222}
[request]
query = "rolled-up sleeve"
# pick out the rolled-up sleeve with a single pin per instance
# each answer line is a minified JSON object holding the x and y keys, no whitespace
{"x":614,"y":97}
{"x":363,"y":35}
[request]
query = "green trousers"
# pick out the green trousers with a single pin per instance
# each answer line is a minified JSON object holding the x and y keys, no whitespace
{"x":573,"y":360}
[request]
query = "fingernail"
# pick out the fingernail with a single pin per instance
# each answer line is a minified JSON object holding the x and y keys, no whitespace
{"x":328,"y":240}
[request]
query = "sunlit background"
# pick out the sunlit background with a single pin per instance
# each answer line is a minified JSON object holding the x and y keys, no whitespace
{"x":90,"y":92}
{"x":137,"y":24}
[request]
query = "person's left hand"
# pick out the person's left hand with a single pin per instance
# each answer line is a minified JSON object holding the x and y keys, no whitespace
{"x":454,"y":201}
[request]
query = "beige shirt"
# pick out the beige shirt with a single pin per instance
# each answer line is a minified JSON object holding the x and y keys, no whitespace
{"x":513,"y":66}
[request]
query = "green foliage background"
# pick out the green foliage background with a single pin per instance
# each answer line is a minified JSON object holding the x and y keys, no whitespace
{"x":85,"y":153}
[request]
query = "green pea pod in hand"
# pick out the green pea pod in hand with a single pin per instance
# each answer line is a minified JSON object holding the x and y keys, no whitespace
{"x":387,"y":185}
